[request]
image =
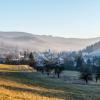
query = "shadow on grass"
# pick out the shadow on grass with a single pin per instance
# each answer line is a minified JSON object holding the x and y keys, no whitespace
{"x":34,"y":78}
{"x":30,"y":78}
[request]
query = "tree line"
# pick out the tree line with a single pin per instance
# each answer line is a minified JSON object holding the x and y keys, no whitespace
{"x":48,"y":62}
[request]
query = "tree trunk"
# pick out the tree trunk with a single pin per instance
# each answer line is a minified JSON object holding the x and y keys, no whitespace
{"x":86,"y":81}
{"x":58,"y":75}
{"x":96,"y":79}
{"x":48,"y":73}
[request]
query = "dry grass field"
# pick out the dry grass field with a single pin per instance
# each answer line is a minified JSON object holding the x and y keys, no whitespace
{"x":23,"y":83}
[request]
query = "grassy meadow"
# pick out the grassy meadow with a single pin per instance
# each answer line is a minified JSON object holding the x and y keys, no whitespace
{"x":23,"y":83}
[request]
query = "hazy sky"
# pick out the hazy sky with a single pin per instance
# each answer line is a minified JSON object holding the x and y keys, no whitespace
{"x":68,"y":18}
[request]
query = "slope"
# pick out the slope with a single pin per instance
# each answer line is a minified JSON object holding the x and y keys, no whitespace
{"x":23,"y":41}
{"x":23,"y":83}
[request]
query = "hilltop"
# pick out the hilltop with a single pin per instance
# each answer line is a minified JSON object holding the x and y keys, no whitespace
{"x":23,"y":41}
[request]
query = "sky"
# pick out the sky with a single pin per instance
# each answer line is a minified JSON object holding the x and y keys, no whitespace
{"x":65,"y":18}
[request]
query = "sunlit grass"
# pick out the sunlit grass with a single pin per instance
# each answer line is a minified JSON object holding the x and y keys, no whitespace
{"x":14,"y":68}
{"x":6,"y":94}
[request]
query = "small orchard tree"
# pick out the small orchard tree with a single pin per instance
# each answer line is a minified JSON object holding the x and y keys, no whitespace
{"x":48,"y":66}
{"x":86,"y":74}
{"x":49,"y":61}
{"x":59,"y":66}
{"x":97,"y":74}
{"x":58,"y":70}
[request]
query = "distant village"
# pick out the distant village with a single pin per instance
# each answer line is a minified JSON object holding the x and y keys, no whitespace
{"x":15,"y":56}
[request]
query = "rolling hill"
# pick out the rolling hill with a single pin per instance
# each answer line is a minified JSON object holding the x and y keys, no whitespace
{"x":93,"y":50}
{"x":22,"y":40}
